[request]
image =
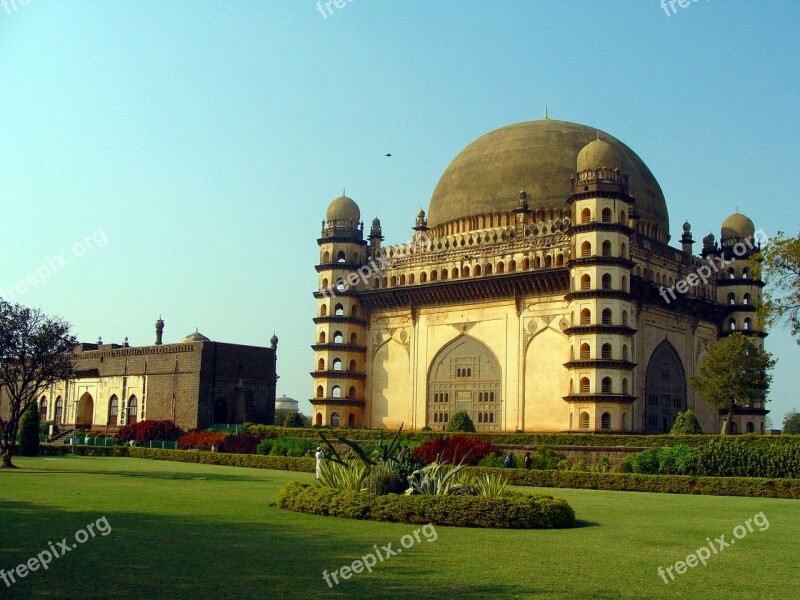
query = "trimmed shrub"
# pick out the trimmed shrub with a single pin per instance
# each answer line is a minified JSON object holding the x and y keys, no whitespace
{"x":253,"y":461}
{"x":242,"y":443}
{"x":285,"y":446}
{"x":200,"y":440}
{"x":29,"y":431}
{"x":513,"y":511}
{"x":686,"y":423}
{"x":634,"y":482}
{"x":385,"y":478}
{"x":454,"y":449}
{"x":460,"y":421}
{"x":148,"y":430}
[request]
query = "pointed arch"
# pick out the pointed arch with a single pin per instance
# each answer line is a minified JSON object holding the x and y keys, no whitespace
{"x":665,"y":388}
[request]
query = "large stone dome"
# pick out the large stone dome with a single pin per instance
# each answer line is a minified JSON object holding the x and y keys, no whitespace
{"x":539,"y":157}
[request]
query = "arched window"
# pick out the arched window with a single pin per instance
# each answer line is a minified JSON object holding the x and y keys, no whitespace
{"x":605,"y":420}
{"x":321,"y":364}
{"x":606,"y":316}
{"x":336,"y":420}
{"x":133,"y":406}
{"x":606,"y":215}
{"x":338,"y":338}
{"x":402,"y":282}
{"x":586,"y":317}
{"x":586,"y":282}
{"x":624,"y":421}
{"x":623,"y":250}
{"x":351,"y":393}
{"x":586,"y":249}
{"x":376,"y":285}
{"x":606,"y":248}
{"x":353,"y":339}
{"x":477,"y":270}
{"x":746,"y":299}
{"x":501,"y":268}
{"x":339,"y":310}
{"x":750,"y":427}
{"x":385,"y":282}
{"x":324,"y":283}
{"x":526,"y":264}
{"x":455,"y":272}
{"x":731,"y":273}
{"x":43,"y":409}
{"x":423,"y":277}
{"x":480,"y":417}
{"x":560,"y":260}
{"x":584,"y":420}
{"x":606,"y":281}
{"x":586,"y":215}
{"x":445,"y":274}
{"x":336,"y":392}
{"x":731,"y":325}
{"x":353,"y":311}
{"x":607,"y":351}
{"x":320,"y":391}
{"x":58,"y":417}
{"x":341,"y":257}
{"x":731,"y":298}
{"x":585,"y":386}
{"x":512,"y":266}
{"x":353,"y":366}
{"x":337,"y":364}
{"x":491,"y":417}
{"x":622,"y":217}
{"x":624,"y":283}
{"x":745,"y":273}
{"x":537,"y":262}
{"x":326,"y":257}
{"x":625,"y":352}
{"x":747,"y":323}
{"x":318,"y":420}
{"x":351,"y":420}
{"x":436,"y":417}
{"x":321,"y":337}
{"x":606,"y":385}
{"x":434,"y":275}
{"x":113,"y":410}
{"x":734,"y":429}
{"x":488,"y":268}
{"x":465,"y":271}
{"x":625,"y":318}
{"x":585,"y":352}
{"x":323,"y":311}
{"x":625,"y":386}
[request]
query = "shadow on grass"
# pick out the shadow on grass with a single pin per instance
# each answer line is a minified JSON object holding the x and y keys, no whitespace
{"x":579,"y":523}
{"x":159,"y":556}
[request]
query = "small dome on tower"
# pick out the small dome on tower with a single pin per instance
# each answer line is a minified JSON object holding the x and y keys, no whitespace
{"x":343,"y":209}
{"x":737,"y":226}
{"x":273,"y":341}
{"x":686,"y":226}
{"x":195,"y":336}
{"x":598,"y":155}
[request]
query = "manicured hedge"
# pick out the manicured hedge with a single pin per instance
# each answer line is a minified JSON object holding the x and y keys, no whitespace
{"x":633,"y":482}
{"x":536,"y":439}
{"x":255,"y":461}
{"x":511,"y":511}
{"x":63,"y":449}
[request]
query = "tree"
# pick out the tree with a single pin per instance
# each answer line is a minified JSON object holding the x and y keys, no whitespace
{"x":780,"y":270}
{"x":36,"y":351}
{"x":460,"y":421}
{"x":294,"y":419}
{"x":686,"y":423}
{"x":733,"y":373}
{"x":791,"y":423}
{"x":29,"y":431}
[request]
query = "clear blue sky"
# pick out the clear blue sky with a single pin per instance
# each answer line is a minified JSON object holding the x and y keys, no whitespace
{"x":202,"y":141}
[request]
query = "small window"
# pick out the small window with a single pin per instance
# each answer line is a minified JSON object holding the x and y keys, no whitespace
{"x":585,"y":352}
{"x":606,"y":215}
{"x":606,"y":316}
{"x":607,"y":351}
{"x":586,"y":282}
{"x":605,"y":420}
{"x":585,"y":386}
{"x":586,"y":216}
{"x":586,"y":249}
{"x":584,"y":420}
{"x":586,"y":317}
{"x":606,"y":248}
{"x":606,"y":281}
{"x":606,"y":385}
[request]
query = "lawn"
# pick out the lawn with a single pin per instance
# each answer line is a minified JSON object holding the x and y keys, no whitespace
{"x":201,"y":531}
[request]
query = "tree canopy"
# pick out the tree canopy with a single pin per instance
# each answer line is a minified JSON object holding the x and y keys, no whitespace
{"x":36,"y":351}
{"x":734,"y":372}
{"x":780,"y":270}
{"x":791,"y":423}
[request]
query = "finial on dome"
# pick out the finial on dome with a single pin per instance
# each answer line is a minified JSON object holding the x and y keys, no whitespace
{"x":545,"y":112}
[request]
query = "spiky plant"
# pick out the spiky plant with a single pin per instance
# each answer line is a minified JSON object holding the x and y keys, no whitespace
{"x":437,"y":479}
{"x":342,"y":476}
{"x":490,"y":485}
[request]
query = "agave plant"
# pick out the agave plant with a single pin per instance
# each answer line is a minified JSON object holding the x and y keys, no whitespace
{"x":490,"y":485}
{"x":437,"y":480}
{"x":342,"y":476}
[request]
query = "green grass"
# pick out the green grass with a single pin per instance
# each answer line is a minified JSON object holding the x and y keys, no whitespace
{"x":202,"y":531}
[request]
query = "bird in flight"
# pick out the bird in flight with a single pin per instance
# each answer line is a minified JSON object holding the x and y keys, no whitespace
{"x":388,"y":154}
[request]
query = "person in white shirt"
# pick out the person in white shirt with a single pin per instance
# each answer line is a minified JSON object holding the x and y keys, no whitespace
{"x":320,"y":456}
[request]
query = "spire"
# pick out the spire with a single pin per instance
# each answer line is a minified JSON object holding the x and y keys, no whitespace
{"x":545,"y":112}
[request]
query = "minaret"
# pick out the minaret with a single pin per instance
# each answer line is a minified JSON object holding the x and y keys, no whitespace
{"x":159,"y":331}
{"x":686,"y":239}
{"x":601,"y":334}
{"x":341,"y":339}
{"x":739,"y":288}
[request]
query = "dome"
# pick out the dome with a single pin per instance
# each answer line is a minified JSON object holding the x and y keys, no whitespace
{"x":597,"y":155}
{"x":286,"y":403}
{"x":195,"y":336}
{"x":343,"y":209}
{"x":737,"y":226}
{"x":539,"y":157}
{"x":273,"y":340}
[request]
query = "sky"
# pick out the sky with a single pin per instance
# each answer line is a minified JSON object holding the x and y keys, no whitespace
{"x":176,"y":158}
